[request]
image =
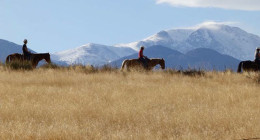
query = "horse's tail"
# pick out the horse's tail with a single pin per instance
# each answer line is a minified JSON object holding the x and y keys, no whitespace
{"x":239,"y":69}
{"x":8,"y":59}
{"x":123,"y":64}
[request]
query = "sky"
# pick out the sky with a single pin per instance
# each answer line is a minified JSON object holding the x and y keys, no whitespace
{"x":57,"y":25}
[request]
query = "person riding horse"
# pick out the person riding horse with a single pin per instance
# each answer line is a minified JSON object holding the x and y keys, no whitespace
{"x":142,"y":58}
{"x":26,"y":52}
{"x":250,"y":65}
{"x":257,"y":56}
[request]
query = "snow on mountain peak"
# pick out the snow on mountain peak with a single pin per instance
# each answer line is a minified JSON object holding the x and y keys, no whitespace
{"x":91,"y":54}
{"x":212,"y":25}
{"x":217,"y":36}
{"x":162,"y":35}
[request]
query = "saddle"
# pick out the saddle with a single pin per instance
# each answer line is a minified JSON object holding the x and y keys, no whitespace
{"x":146,"y":59}
{"x":26,"y":57}
{"x":144,"y":63}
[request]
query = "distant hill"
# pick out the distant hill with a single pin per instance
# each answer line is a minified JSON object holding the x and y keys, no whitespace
{"x":201,"y":58}
{"x":7,"y":48}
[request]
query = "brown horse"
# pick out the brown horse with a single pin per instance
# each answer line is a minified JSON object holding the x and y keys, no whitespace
{"x":247,"y":66}
{"x":35,"y":58}
{"x":135,"y":63}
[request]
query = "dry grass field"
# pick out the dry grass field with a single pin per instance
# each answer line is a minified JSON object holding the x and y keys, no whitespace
{"x":57,"y":104}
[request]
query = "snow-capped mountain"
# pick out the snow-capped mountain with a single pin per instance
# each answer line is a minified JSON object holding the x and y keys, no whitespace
{"x":170,"y":38}
{"x":7,"y":48}
{"x":224,"y":39}
{"x":92,"y":54}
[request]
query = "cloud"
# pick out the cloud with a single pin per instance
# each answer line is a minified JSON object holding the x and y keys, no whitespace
{"x":248,"y":5}
{"x":212,"y":24}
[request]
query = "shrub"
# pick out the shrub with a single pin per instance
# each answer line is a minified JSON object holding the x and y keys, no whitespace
{"x":193,"y":72}
{"x":18,"y":65}
{"x":84,"y":69}
{"x":51,"y":66}
{"x":107,"y":68}
{"x":189,"y":72}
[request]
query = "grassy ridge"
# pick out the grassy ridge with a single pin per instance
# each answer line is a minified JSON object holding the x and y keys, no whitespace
{"x":86,"y":103}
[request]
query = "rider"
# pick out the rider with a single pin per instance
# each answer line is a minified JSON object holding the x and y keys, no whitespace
{"x":257,"y":56}
{"x":26,"y":53}
{"x":143,"y":58}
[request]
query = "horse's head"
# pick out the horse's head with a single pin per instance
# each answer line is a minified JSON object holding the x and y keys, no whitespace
{"x":47,"y":57}
{"x":162,"y":63}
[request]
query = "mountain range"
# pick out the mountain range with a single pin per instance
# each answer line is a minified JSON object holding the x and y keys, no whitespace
{"x":207,"y":46}
{"x":224,"y":39}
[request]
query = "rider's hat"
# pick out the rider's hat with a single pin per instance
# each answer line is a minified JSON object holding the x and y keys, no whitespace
{"x":25,"y":40}
{"x":258,"y":48}
{"x":142,"y":47}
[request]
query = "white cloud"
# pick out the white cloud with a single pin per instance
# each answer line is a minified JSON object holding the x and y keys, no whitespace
{"x":209,"y":24}
{"x":248,"y":5}
{"x":212,"y":24}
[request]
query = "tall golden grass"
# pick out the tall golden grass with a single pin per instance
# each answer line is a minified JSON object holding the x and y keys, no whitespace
{"x":74,"y":104}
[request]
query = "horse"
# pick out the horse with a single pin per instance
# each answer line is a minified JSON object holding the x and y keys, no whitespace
{"x":247,"y":66}
{"x":35,"y":58}
{"x":136,"y":63}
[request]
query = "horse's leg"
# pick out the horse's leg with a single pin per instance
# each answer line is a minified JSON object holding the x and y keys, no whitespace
{"x":128,"y":65}
{"x":34,"y":63}
{"x":150,"y":65}
{"x":123,"y":65}
{"x":239,"y":69}
{"x":7,"y":59}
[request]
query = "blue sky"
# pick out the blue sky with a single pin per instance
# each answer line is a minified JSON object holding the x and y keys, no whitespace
{"x":56,"y":25}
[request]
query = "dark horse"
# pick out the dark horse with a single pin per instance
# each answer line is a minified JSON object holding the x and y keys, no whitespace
{"x":35,"y":58}
{"x":135,"y":63}
{"x":247,"y":66}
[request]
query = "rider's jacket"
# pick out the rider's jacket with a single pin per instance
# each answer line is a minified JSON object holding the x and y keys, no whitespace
{"x":140,"y":55}
{"x":25,"y":50}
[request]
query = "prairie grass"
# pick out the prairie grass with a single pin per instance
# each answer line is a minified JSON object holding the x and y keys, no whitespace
{"x":17,"y":65}
{"x":72,"y":103}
